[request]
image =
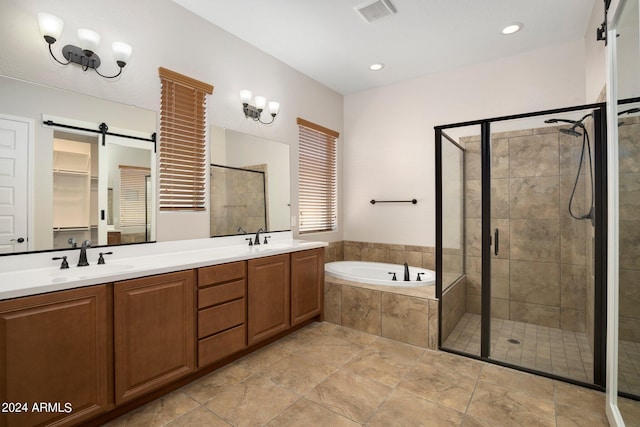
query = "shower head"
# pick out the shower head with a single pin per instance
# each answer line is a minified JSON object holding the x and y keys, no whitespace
{"x":571,"y":131}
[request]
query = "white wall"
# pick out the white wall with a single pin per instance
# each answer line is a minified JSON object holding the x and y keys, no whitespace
{"x":164,"y":34}
{"x":595,"y":55}
{"x":389,"y":148}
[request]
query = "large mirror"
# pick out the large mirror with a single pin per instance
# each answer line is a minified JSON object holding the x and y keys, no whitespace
{"x":250,"y":186}
{"x":62,"y":185}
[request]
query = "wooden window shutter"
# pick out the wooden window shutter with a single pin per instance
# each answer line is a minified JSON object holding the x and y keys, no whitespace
{"x":317,"y":180}
{"x":134,"y":199}
{"x":183,"y":112}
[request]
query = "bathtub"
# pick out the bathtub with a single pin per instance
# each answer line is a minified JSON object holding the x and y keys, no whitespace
{"x":377,"y":273}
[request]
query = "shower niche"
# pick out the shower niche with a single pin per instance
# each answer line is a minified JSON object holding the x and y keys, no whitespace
{"x":524,"y":289}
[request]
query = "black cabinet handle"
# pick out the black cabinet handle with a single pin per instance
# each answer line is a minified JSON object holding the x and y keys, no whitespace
{"x":496,"y":238}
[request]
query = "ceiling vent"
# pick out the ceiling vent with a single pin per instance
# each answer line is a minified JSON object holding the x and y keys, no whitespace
{"x":373,"y":10}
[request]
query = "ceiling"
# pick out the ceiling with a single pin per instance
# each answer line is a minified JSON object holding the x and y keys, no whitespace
{"x":329,"y":42}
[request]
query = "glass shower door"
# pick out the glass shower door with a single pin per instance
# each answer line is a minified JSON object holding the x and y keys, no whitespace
{"x":542,"y":229}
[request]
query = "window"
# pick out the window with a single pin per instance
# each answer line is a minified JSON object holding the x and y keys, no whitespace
{"x":317,"y":186}
{"x":182,"y":142}
{"x":134,"y":198}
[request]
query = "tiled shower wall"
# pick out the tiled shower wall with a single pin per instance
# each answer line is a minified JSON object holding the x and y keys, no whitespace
{"x":540,"y":273}
{"x":629,"y":142}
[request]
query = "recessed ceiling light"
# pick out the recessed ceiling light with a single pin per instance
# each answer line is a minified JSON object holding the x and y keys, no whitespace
{"x":512,"y":28}
{"x":376,"y":67}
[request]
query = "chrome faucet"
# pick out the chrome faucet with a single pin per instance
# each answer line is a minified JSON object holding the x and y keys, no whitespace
{"x":406,"y":272}
{"x":82,"y":261}
{"x":256,"y":241}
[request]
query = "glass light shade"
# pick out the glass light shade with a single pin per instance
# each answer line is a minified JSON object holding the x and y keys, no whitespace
{"x":245,"y":96}
{"x":89,"y":39}
{"x":274,"y":107}
{"x":50,"y":25}
{"x":121,"y":52}
{"x":261,"y":101}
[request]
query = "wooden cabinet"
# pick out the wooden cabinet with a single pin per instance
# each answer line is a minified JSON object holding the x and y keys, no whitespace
{"x":54,"y":351}
{"x":222,"y":311}
{"x":307,"y":284}
{"x":268,"y":293}
{"x":154,"y":332}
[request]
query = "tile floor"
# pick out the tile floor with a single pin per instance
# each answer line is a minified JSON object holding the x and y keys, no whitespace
{"x":553,"y":350}
{"x":329,"y":375}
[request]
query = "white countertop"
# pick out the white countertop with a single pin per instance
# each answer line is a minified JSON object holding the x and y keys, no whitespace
{"x":31,"y":274}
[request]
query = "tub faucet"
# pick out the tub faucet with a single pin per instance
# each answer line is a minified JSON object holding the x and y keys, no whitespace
{"x":406,"y":272}
{"x":82,"y":261}
{"x":256,"y":241}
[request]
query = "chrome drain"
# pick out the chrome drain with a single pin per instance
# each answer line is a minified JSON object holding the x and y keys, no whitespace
{"x":513,"y":341}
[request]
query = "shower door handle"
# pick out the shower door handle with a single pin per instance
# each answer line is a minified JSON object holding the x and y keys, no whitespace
{"x":496,"y":240}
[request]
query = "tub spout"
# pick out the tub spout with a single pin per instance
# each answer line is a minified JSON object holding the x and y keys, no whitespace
{"x":406,"y":272}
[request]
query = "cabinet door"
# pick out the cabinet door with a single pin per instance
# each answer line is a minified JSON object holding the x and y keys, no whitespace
{"x":307,"y":284}
{"x":54,"y":353}
{"x":268,"y":297}
{"x":154,"y":332}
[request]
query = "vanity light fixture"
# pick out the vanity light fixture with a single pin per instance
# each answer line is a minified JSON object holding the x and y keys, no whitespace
{"x":254,"y":111}
{"x":83,"y":55}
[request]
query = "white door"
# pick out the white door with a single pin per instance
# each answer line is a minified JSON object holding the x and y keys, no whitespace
{"x":14,"y":142}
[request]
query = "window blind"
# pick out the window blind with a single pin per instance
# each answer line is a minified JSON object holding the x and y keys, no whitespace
{"x":182,"y":168}
{"x":317,"y":180}
{"x":133,"y":196}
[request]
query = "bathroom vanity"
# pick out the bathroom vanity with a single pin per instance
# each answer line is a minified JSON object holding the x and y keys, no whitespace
{"x":76,"y":345}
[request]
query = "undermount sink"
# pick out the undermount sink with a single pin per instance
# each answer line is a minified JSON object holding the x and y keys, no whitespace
{"x":90,"y":271}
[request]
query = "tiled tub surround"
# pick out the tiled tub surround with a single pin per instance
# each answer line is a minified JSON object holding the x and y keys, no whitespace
{"x":542,"y":272}
{"x":408,"y":315}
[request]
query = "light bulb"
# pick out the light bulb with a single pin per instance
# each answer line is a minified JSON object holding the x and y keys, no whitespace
{"x":50,"y":27}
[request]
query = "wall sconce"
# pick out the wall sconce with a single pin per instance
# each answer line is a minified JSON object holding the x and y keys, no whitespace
{"x":84,"y":55}
{"x":254,"y":112}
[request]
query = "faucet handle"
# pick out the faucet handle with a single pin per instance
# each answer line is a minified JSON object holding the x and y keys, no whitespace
{"x":250,"y":241}
{"x":394,"y":276}
{"x":419,"y":278}
{"x":64,"y":265}
{"x":265,"y":239}
{"x":86,"y":243}
{"x":101,"y":258}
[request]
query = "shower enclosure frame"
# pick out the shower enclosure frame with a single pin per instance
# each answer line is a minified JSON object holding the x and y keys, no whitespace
{"x":600,"y":239}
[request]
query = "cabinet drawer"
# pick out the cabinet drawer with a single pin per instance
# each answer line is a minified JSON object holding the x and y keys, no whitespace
{"x":220,"y":317}
{"x":221,"y":293}
{"x":220,"y":273}
{"x":221,"y":345}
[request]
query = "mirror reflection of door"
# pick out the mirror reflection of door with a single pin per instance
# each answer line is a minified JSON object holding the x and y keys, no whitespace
{"x":14,"y":143}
